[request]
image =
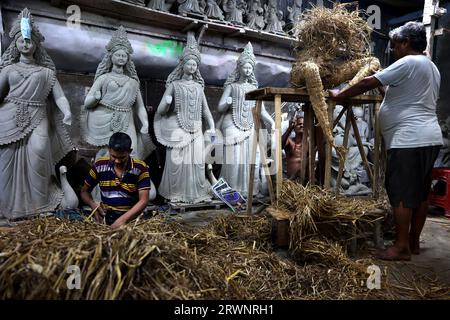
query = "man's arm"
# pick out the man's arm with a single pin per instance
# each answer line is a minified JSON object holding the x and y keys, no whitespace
{"x":87,"y":199}
{"x":285,"y":136}
{"x":134,"y":211}
{"x":364,"y":85}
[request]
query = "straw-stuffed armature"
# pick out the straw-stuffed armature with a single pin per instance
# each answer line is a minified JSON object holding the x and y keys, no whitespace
{"x":334,"y":47}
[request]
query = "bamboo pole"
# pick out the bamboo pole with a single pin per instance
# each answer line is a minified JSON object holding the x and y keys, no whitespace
{"x":360,"y":146}
{"x":345,"y":144}
{"x":328,"y":146}
{"x":257,"y":125}
{"x":376,"y":180}
{"x":279,"y":162}
{"x":307,"y":129}
{"x":311,"y":148}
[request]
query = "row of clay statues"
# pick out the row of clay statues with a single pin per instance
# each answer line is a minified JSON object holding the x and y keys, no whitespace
{"x":34,"y":112}
{"x":179,"y":120}
{"x":251,"y":13}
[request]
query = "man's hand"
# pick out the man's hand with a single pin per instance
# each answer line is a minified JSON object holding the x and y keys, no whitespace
{"x":99,"y":214}
{"x":334,"y":94}
{"x":118,"y":223}
{"x":294,"y":122}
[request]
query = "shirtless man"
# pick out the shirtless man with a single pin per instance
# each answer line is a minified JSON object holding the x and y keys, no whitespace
{"x":293,"y":147}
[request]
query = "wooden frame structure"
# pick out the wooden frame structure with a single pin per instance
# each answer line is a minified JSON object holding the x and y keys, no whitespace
{"x":277,"y":95}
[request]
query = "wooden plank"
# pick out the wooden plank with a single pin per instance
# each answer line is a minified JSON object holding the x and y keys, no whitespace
{"x":301,"y":95}
{"x":263,"y":151}
{"x":361,"y":147}
{"x":345,"y":144}
{"x":328,"y":146}
{"x":312,"y":150}
{"x":170,"y":21}
{"x":278,"y":154}
{"x":376,"y":174}
{"x":267,"y":173}
{"x":307,"y":129}
{"x":336,"y":121}
{"x":256,"y":115}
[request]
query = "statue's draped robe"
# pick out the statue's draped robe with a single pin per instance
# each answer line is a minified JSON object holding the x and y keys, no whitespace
{"x":181,"y":133}
{"x":189,"y":6}
{"x":237,"y":129}
{"x":158,"y":5}
{"x":234,"y":14}
{"x":32,"y":140}
{"x":115,"y":112}
{"x":213,"y":10}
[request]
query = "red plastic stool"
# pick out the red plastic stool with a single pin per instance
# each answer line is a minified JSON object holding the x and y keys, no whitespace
{"x":440,"y":187}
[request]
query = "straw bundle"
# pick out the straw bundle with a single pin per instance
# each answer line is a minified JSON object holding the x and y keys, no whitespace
{"x":321,"y":223}
{"x":231,"y":258}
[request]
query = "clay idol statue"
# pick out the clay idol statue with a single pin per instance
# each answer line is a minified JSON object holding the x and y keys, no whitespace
{"x":255,"y":15}
{"x":178,"y":126}
{"x":234,"y":11}
{"x":213,"y":10}
{"x":189,"y":7}
{"x":33,"y":111}
{"x":160,"y":5}
{"x":114,"y":102}
{"x":236,"y":123}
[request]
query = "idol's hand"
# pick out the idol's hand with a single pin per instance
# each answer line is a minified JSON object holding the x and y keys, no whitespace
{"x":67,"y":119}
{"x":144,"y":129}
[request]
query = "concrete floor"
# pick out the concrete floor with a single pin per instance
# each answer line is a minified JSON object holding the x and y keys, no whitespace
{"x":434,"y":259}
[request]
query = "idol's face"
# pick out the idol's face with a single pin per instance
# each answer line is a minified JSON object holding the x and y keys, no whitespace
{"x":190,"y":67}
{"x":25,"y":46}
{"x":246,"y":70}
{"x":119,"y":58}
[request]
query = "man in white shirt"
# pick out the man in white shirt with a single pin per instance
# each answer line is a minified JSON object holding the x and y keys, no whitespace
{"x":410,"y":130}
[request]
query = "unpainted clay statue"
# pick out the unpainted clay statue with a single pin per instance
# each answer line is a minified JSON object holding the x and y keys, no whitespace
{"x":255,"y":15}
{"x":114,"y":102}
{"x":189,"y":6}
{"x":295,"y":11}
{"x":234,"y":11}
{"x":236,"y":124}
{"x":160,"y":5}
{"x":178,"y":126}
{"x":33,"y":111}
{"x":274,"y":18}
{"x":213,"y":10}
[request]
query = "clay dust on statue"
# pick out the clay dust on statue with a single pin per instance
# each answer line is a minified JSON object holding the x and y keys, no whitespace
{"x":33,"y":138}
{"x":236,"y":124}
{"x":114,"y":102}
{"x":178,"y":126}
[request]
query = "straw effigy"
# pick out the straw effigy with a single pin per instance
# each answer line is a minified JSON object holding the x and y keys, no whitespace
{"x":331,"y":37}
{"x":231,"y":258}
{"x":333,"y":48}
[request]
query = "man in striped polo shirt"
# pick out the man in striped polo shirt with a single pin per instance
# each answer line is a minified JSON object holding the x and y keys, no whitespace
{"x":124,"y":183}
